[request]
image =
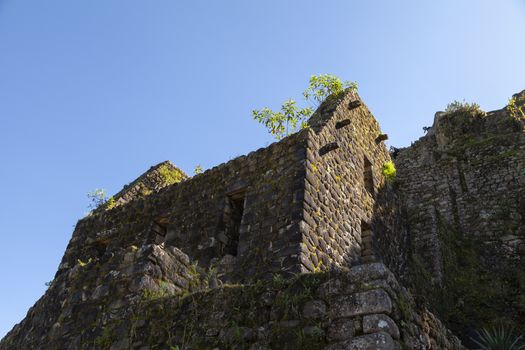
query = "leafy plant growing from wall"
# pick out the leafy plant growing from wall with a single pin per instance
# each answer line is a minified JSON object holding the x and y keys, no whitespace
{"x":324,"y":85}
{"x":291,"y":116}
{"x":463,"y":107}
{"x":389,"y":171}
{"x":283,"y":123}
{"x":111,"y":203}
{"x":198,"y":170}
{"x":516,"y":107}
{"x":170,"y":176}
{"x":97,"y":198}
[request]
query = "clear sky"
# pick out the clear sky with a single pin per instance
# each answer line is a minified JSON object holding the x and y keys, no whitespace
{"x":92,"y":93}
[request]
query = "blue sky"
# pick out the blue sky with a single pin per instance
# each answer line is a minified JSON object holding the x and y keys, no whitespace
{"x":92,"y":93}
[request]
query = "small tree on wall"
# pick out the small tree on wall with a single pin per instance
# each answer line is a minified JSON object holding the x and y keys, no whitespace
{"x":283,"y":123}
{"x":290,"y":117}
{"x":97,"y":198}
{"x":516,"y":107}
{"x":322,"y":86}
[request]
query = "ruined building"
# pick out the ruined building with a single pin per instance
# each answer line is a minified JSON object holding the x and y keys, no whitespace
{"x":304,"y":244}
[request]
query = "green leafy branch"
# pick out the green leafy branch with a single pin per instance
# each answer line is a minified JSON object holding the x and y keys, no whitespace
{"x":282,"y":123}
{"x":97,"y":198}
{"x":517,"y":110}
{"x":324,"y":85}
{"x":290,"y":117}
{"x":198,"y":170}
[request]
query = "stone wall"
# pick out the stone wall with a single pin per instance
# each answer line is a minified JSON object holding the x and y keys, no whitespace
{"x":314,"y":202}
{"x":153,"y":180}
{"x":346,"y":190}
{"x":197,"y":216}
{"x":73,"y":306}
{"x":463,"y":186}
{"x":296,"y":206}
{"x":361,"y":308}
{"x":238,"y":221}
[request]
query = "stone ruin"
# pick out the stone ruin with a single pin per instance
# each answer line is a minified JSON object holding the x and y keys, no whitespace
{"x":304,"y":244}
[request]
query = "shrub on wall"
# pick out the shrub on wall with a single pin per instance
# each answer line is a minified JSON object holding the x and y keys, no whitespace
{"x":389,"y":171}
{"x":170,"y":176}
{"x":516,"y":107}
{"x":463,"y":107}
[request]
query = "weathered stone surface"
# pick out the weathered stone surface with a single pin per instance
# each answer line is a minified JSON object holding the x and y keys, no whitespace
{"x":268,"y":250}
{"x":463,"y":193}
{"x":380,"y":323}
{"x":368,"y":272}
{"x":376,"y":341}
{"x":369,"y":302}
{"x":343,"y":328}
{"x":314,"y":309}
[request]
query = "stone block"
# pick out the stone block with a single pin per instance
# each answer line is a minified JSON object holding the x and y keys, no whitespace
{"x":343,"y":329}
{"x":368,"y":272}
{"x":369,"y":302}
{"x":314,"y":309}
{"x":376,"y":341}
{"x":380,"y":323}
{"x":330,"y":288}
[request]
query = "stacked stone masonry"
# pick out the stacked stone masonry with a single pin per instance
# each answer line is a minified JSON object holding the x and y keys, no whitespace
{"x":361,"y":308}
{"x":291,"y":246}
{"x":463,"y":189}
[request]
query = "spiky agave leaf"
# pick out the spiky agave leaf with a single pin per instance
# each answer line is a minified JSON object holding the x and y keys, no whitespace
{"x":499,"y":339}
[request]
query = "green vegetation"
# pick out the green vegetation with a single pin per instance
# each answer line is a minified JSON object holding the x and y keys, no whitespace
{"x":170,"y":176}
{"x":279,"y":281}
{"x":325,"y":85}
{"x":110,"y":203}
{"x":283,"y":123}
{"x":475,"y":291}
{"x":286,"y":121}
{"x":182,"y":319}
{"x":516,"y":107}
{"x":145,"y":191}
{"x":97,"y":198}
{"x":462,"y":107}
{"x":404,"y":308}
{"x":499,"y":339}
{"x":197,"y":170}
{"x":389,"y":171}
{"x":104,"y":340}
{"x":84,"y":263}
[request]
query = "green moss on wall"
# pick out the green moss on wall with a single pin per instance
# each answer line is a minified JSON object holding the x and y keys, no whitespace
{"x":170,"y":175}
{"x":226,"y":317}
{"x":482,"y":285}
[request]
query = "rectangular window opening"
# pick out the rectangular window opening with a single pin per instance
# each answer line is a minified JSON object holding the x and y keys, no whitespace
{"x":368,"y":176}
{"x":159,"y":229}
{"x":234,"y":212}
